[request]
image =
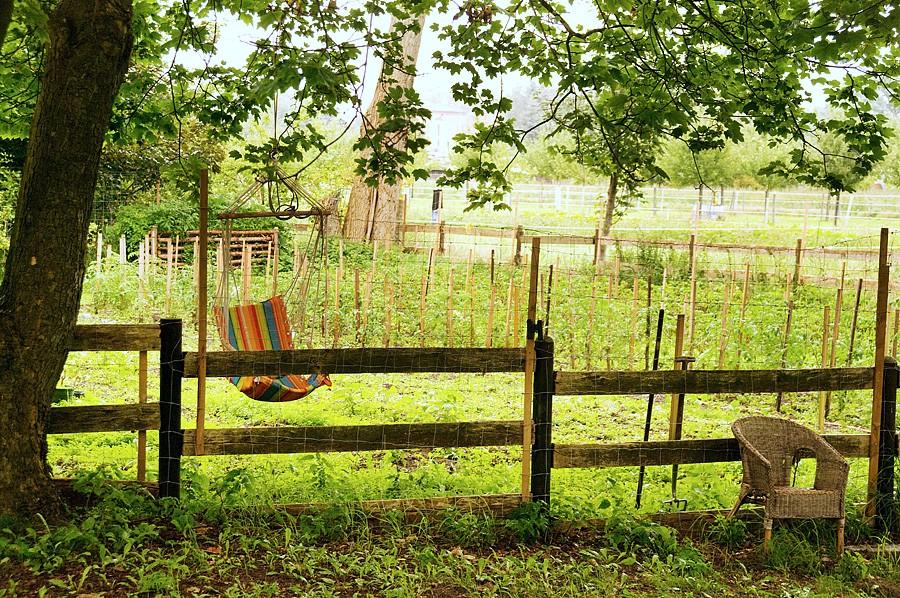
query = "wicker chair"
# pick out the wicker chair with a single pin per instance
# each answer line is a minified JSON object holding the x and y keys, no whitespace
{"x":769,"y":448}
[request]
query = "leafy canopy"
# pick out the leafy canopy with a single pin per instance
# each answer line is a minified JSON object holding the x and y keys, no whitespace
{"x":698,"y":72}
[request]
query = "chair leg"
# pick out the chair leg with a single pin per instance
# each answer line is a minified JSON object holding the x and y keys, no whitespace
{"x":840,"y":536}
{"x":737,"y":505}
{"x":767,"y":534}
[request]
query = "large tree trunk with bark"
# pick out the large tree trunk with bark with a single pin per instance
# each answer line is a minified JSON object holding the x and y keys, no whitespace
{"x":90,"y":43}
{"x":372,"y":211}
{"x":610,"y":210}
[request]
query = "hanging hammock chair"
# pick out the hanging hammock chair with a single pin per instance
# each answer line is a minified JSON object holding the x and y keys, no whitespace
{"x":265,"y":326}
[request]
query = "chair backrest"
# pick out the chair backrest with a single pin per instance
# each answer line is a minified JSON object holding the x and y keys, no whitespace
{"x":779,"y":440}
{"x":255,"y":326}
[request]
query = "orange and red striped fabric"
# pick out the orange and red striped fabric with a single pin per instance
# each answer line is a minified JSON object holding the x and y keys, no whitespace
{"x":263,"y":327}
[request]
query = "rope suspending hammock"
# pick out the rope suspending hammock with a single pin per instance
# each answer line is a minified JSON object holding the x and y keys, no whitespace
{"x":265,"y":326}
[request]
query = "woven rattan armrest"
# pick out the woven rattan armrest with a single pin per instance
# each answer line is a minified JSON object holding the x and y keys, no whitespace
{"x":831,"y":474}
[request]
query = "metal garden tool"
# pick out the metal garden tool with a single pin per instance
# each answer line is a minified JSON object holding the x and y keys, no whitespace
{"x":676,"y":419}
{"x":647,"y":420}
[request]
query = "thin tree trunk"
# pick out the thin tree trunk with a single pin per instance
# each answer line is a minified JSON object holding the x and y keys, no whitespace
{"x":363,"y":221}
{"x":837,"y":206}
{"x":90,"y":43}
{"x":610,"y":211}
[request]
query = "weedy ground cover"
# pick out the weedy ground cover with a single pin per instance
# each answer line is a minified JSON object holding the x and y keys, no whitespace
{"x":122,"y":542}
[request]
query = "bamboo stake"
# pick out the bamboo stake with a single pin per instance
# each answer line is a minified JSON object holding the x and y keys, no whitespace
{"x":388,"y":308}
{"x":245,"y":273}
{"x":693,"y":301}
{"x":617,"y":264}
{"x":632,"y":324}
{"x":450,"y":307}
{"x":549,"y":299}
{"x":835,"y":334}
{"x":169,"y":257}
{"x":422,"y":299}
{"x":881,"y":309}
{"x":745,"y":295}
{"x":826,"y":324}
{"x":859,"y":289}
{"x":789,"y":293}
{"x":489,"y":341}
{"x":357,"y":308}
{"x":798,"y":258}
{"x":337,"y":309}
{"x":276,"y":258}
{"x":471,"y":288}
{"x":592,"y":310}
{"x":142,"y":266}
{"x":195,"y":274}
{"x":99,"y":252}
{"x":647,"y":323}
{"x":509,"y":300}
{"x":367,"y":300}
{"x":572,"y":326}
{"x":268,"y":270}
{"x":142,"y":434}
{"x":516,"y":297}
{"x":723,"y":337}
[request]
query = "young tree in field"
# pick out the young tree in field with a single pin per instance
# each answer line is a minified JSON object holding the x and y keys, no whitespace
{"x":614,"y":140}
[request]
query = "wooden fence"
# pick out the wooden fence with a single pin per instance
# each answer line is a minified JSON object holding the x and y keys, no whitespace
{"x":543,"y":457}
{"x":140,"y":416}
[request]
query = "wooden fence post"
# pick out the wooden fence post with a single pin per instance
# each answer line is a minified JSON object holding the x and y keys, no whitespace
{"x":887,"y":448}
{"x":528,"y":399}
{"x":881,"y":306}
{"x":542,"y":413}
{"x":171,"y":436}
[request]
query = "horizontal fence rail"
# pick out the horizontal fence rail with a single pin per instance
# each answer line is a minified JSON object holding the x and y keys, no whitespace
{"x":672,"y":452}
{"x":115,"y":337}
{"x":334,"y":439}
{"x":712,"y":381}
{"x":103,"y":418}
{"x":357,"y":361}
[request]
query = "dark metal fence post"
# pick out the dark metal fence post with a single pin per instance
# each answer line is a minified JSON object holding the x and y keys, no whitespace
{"x":171,"y":436}
{"x":887,"y":448}
{"x":542,"y":415}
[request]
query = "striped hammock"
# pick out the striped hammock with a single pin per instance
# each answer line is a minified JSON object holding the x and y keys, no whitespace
{"x":264,"y":327}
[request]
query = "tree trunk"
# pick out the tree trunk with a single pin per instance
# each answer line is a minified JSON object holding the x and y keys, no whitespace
{"x":837,"y":206}
{"x":610,"y":210}
{"x":6,"y":8}
{"x":363,"y":220}
{"x":87,"y":57}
